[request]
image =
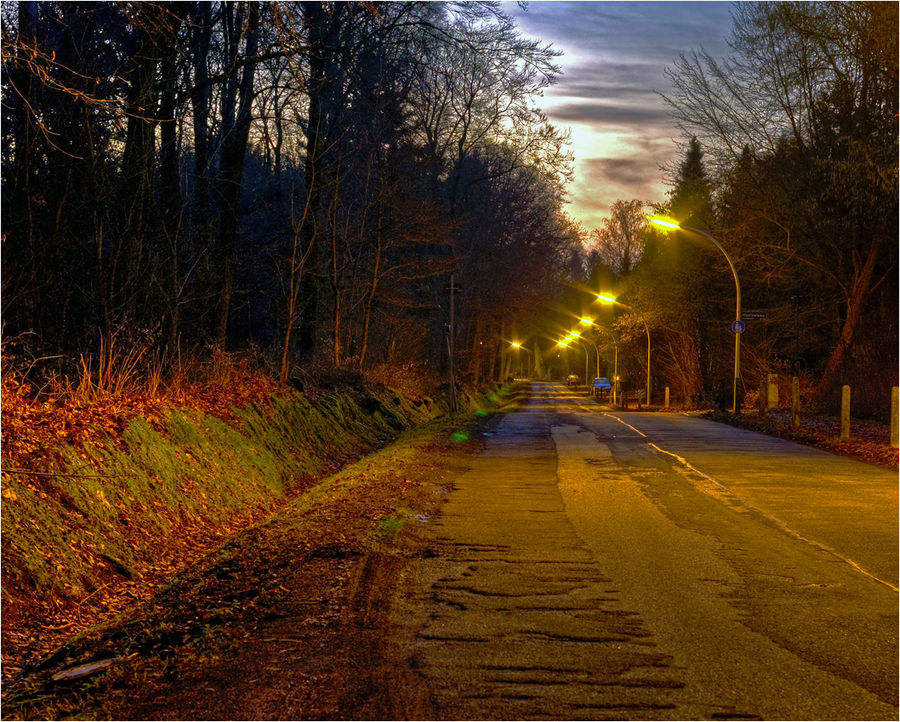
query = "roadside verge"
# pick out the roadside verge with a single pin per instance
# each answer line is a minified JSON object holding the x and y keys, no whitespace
{"x":280,"y":621}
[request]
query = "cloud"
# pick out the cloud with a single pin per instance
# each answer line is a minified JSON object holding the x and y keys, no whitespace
{"x":632,"y":172}
{"x":613,"y":71}
{"x":656,"y":31}
{"x":609,"y":79}
{"x":602,"y":113}
{"x":600,"y":181}
{"x":622,"y":178}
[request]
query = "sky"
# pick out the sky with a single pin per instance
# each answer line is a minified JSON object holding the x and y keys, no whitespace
{"x":613,"y":63}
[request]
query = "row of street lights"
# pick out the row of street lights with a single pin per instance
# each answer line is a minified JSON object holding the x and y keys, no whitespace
{"x":573,"y":336}
{"x":737,"y":327}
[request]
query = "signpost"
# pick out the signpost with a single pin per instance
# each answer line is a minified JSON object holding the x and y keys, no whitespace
{"x":738,"y":326}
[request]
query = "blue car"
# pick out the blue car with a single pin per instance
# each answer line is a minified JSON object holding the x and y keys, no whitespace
{"x":601,"y":386}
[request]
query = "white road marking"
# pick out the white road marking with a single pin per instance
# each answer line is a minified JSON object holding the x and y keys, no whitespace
{"x":743,"y":502}
{"x":625,"y":423}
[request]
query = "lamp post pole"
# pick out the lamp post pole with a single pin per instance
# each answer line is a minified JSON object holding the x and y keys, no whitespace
{"x":737,"y":326}
{"x":647,"y":329}
{"x":584,"y":346}
{"x":610,"y":299}
{"x":616,"y":374}
{"x":589,"y":322}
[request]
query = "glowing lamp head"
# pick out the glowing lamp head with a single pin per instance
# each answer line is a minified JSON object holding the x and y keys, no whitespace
{"x":586,"y":321}
{"x":516,"y":344}
{"x":606,"y":298}
{"x":664,"y":223}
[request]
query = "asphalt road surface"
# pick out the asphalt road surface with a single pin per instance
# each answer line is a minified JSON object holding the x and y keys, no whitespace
{"x":616,"y":565}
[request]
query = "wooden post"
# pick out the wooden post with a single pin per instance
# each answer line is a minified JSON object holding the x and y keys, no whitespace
{"x":795,"y":402}
{"x":845,"y":413}
{"x":763,"y":397}
{"x":772,"y":391}
{"x":667,"y":397}
{"x":895,"y":416}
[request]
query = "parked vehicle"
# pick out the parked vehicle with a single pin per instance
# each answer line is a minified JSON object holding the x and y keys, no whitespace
{"x":601,"y":386}
{"x":572,"y":380}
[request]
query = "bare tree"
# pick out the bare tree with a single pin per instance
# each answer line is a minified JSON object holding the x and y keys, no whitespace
{"x":620,"y":240}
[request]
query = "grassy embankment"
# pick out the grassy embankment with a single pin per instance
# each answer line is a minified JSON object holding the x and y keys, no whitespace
{"x":107,"y":495}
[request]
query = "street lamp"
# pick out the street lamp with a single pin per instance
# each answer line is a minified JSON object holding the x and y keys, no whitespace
{"x":519,"y":347}
{"x":585,"y":321}
{"x":611,"y":299}
{"x":571,"y":337}
{"x":576,"y":336}
{"x":738,"y":325}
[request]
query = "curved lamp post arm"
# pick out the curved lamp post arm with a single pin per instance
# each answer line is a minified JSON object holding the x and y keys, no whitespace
{"x":611,"y":299}
{"x":737,"y":312}
{"x":737,"y":283}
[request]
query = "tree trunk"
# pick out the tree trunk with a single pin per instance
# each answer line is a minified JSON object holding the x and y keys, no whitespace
{"x":370,"y":301}
{"x":337,"y":271}
{"x":21,"y":193}
{"x":234,"y":145}
{"x":856,"y":301}
{"x":136,"y":198}
{"x":317,"y":33}
{"x":200,"y":100}
{"x":169,"y":180}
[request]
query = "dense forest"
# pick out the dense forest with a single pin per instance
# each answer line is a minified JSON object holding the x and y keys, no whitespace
{"x":301,"y":176}
{"x":313,"y":179}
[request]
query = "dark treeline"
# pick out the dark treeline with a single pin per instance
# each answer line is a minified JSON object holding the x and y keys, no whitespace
{"x":791,"y":162}
{"x":304,"y":177}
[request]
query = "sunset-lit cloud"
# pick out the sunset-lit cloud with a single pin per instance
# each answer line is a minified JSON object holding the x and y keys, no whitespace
{"x":613,"y":63}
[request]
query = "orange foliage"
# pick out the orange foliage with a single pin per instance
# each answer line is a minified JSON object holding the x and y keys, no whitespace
{"x":35,"y":425}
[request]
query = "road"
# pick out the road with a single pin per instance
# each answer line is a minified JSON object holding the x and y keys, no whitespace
{"x":602,"y":564}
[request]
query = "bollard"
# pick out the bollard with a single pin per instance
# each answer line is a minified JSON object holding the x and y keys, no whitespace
{"x":772,"y":391}
{"x":845,"y":413}
{"x":895,"y":416}
{"x":795,"y":402}
{"x":763,"y":398}
{"x":667,"y":397}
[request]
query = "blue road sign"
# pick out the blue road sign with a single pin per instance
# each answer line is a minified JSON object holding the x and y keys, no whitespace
{"x":738,"y":327}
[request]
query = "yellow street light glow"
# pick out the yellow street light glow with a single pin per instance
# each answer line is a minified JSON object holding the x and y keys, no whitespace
{"x":586,"y":321}
{"x":664,"y":222}
{"x":606,"y":299}
{"x":562,"y":343}
{"x":516,"y":344}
